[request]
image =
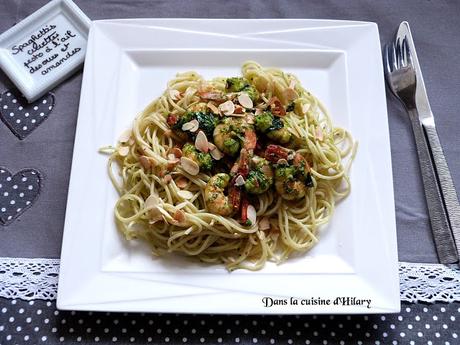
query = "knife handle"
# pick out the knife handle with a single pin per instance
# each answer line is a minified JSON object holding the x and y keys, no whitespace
{"x":443,"y":239}
{"x":445,"y":181}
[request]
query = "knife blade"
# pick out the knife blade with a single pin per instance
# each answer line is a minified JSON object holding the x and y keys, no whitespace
{"x":426,"y":118}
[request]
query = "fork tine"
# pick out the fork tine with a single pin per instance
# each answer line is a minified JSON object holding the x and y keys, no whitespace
{"x":394,"y":60}
{"x":398,"y":53}
{"x":407,"y":54}
{"x":386,"y":57}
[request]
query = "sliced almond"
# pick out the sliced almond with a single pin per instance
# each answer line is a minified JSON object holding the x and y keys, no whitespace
{"x":282,"y":161}
{"x":191,"y":126}
{"x":167,"y":178}
{"x":151,"y":202}
{"x":239,"y":181}
{"x":181,"y":182}
{"x":125,"y":136}
{"x":216,"y":154}
{"x":145,"y":162}
{"x":264,"y":224}
{"x":252,"y":214}
{"x":290,"y":94}
{"x":185,"y":194}
{"x":211,"y":146}
{"x":123,"y":151}
{"x":201,"y":142}
{"x":155,"y":216}
{"x":305,"y":107}
{"x":172,"y":157}
{"x":245,"y":100}
{"x":213,"y":108}
{"x":189,"y":166}
{"x":258,"y":111}
{"x":237,"y":115}
{"x":227,"y":108}
{"x":174,"y":94}
{"x":319,"y":134}
{"x":250,"y":119}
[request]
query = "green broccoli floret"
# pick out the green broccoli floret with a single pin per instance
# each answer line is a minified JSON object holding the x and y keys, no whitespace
{"x":256,"y":182}
{"x":263,"y":121}
{"x":238,"y":84}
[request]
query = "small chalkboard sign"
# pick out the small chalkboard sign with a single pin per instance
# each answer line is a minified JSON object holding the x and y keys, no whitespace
{"x":45,"y":48}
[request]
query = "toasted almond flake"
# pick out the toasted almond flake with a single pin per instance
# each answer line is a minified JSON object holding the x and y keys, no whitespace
{"x":185,"y":194}
{"x":167,"y":178}
{"x":250,"y":119}
{"x":319,"y":133}
{"x":258,"y":111}
{"x":227,"y":108}
{"x":252,"y":214}
{"x":201,"y":142}
{"x":189,"y":166}
{"x":145,"y":162}
{"x":123,"y":151}
{"x":290,"y":94}
{"x":179,"y":216}
{"x":216,"y":154}
{"x":125,"y":136}
{"x":239,"y":181}
{"x":181,"y":182}
{"x":264,"y":224}
{"x":171,"y":156}
{"x":213,"y":108}
{"x":177,"y":152}
{"x":211,"y":146}
{"x":245,"y":101}
{"x":282,"y":161}
{"x":174,"y":94}
{"x":151,"y":202}
{"x":191,"y":126}
{"x":305,"y":107}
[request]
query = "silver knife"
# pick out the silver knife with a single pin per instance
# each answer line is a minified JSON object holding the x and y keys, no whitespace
{"x":426,"y":118}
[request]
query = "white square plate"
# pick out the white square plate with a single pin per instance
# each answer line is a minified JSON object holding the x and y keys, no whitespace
{"x":128,"y":64}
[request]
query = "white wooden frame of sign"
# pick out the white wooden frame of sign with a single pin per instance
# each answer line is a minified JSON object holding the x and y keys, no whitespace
{"x":45,"y":48}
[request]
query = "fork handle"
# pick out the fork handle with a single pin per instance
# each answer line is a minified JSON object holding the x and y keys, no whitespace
{"x":445,"y":181}
{"x":443,"y":239}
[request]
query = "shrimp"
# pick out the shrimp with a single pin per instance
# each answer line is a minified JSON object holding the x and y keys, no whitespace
{"x":292,"y":172}
{"x":214,"y":193}
{"x":232,"y":134}
{"x":260,"y":176}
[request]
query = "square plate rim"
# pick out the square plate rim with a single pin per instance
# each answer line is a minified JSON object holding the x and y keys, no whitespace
{"x":394,"y":308}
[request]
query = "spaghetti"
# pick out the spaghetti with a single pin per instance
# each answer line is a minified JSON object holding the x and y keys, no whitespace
{"x":233,"y":170}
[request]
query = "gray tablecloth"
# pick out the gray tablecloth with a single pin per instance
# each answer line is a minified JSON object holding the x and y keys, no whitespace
{"x":435,"y":25}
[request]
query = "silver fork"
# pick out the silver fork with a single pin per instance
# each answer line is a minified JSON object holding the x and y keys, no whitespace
{"x":401,"y":77}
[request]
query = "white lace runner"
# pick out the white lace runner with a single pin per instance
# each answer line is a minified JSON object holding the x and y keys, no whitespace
{"x":30,"y":279}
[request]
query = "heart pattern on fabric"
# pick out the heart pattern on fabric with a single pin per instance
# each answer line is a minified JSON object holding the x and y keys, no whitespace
{"x":21,"y":117}
{"x":17,"y":193}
